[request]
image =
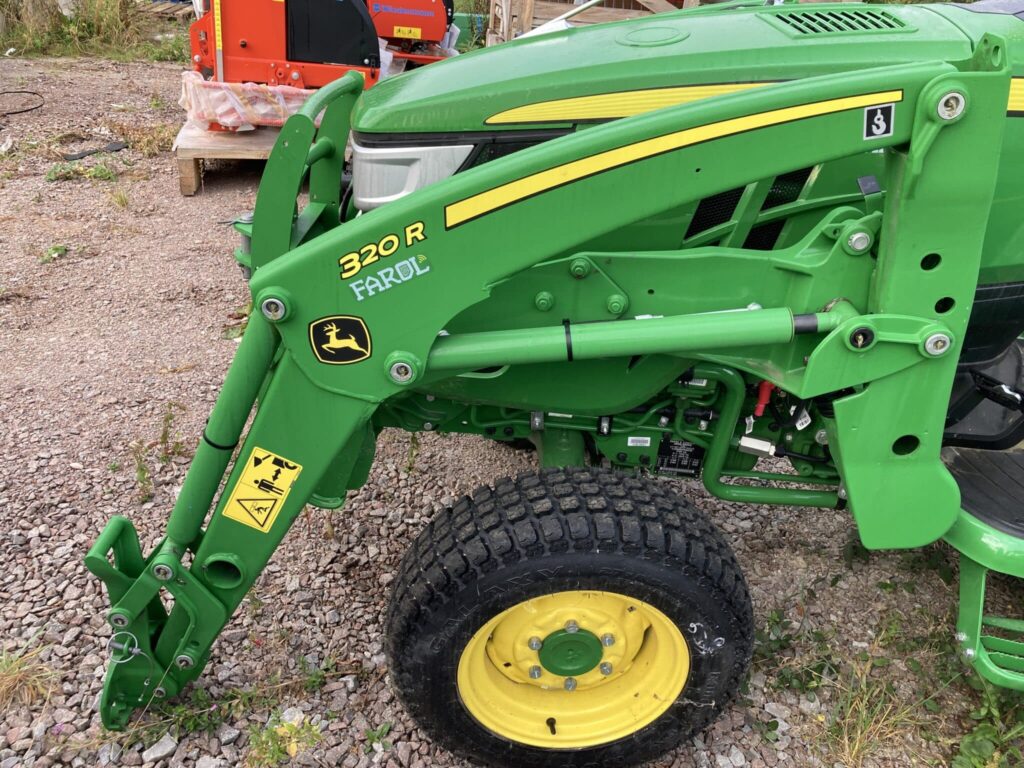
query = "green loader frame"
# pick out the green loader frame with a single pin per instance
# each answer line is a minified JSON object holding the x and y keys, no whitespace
{"x":868,"y":312}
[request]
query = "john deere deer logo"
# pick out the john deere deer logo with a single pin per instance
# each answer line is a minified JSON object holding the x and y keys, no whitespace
{"x":340,"y":339}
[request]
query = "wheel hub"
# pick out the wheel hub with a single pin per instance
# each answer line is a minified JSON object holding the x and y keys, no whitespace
{"x":570,"y":654}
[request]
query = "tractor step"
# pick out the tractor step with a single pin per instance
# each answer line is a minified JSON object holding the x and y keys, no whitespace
{"x":991,"y":486}
{"x":990,"y":536}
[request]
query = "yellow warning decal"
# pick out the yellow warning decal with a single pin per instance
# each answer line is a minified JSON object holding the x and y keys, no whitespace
{"x":521,"y":189}
{"x":411,"y":32}
{"x":1015,"y":105}
{"x":261,"y":490}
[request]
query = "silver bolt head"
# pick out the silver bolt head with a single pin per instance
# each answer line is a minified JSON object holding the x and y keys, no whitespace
{"x":969,"y":653}
{"x":961,"y":637}
{"x":185,"y":662}
{"x":536,"y":672}
{"x":859,"y":241}
{"x":273,"y":309}
{"x":606,"y":667}
{"x":118,"y":620}
{"x":571,"y":627}
{"x":427,"y":426}
{"x":163,"y":572}
{"x":608,"y":640}
{"x":570,"y":683}
{"x":951,"y":106}
{"x":159,"y":693}
{"x":295,"y":75}
{"x":937,"y":344}
{"x":535,"y":643}
{"x":821,"y":437}
{"x":401,"y":372}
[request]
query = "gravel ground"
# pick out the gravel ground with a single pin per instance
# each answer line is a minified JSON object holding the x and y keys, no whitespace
{"x":101,"y":342}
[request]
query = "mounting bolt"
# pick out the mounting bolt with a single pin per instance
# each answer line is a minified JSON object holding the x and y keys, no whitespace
{"x":427,"y":426}
{"x":570,"y":683}
{"x":118,"y":620}
{"x":535,"y":643}
{"x":608,"y":640}
{"x":185,"y":662}
{"x":821,"y":437}
{"x":544,"y":301}
{"x":159,"y":693}
{"x":579,"y":268}
{"x":617,"y":303}
{"x":951,"y":106}
{"x":862,"y":338}
{"x":859,"y":241}
{"x":969,"y":653}
{"x":961,"y":637}
{"x":606,"y":668}
{"x":536,"y":672}
{"x":295,"y":75}
{"x":571,"y":626}
{"x":401,"y":373}
{"x":273,"y":309}
{"x":937,"y":344}
{"x":163,"y":572}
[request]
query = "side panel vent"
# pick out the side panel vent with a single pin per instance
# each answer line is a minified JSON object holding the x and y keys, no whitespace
{"x":839,"y":22}
{"x":714,"y":210}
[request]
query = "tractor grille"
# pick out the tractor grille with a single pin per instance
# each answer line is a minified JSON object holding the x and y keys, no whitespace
{"x":785,"y":189}
{"x":714,"y":210}
{"x":837,"y":22}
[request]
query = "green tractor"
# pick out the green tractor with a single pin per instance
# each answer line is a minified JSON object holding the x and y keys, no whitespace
{"x":774,"y":247}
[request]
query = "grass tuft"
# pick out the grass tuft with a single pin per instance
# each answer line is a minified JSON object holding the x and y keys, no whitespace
{"x":24,"y":679}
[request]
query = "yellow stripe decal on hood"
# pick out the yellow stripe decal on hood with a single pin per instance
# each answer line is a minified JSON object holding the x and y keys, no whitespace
{"x":611,"y":106}
{"x":520,"y":189}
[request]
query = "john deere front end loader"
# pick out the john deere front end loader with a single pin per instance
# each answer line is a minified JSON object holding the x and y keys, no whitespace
{"x":689,"y":245}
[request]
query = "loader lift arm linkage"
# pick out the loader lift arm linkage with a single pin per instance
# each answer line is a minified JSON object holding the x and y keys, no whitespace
{"x":866,"y":326}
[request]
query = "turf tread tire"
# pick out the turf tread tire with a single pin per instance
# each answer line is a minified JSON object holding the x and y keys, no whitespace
{"x":584,"y":518}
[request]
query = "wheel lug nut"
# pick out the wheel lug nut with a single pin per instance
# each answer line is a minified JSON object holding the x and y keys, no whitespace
{"x":608,"y":640}
{"x":606,"y":668}
{"x":571,"y":626}
{"x":535,"y":643}
{"x":535,"y":673}
{"x":570,"y":683}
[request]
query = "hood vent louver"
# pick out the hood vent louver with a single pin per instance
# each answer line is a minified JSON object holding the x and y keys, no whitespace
{"x":807,"y":22}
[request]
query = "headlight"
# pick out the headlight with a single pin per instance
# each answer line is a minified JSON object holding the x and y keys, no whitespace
{"x":383,"y":174}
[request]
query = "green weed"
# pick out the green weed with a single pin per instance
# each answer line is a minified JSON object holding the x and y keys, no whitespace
{"x":143,"y":479}
{"x":997,"y":738}
{"x":279,"y":742}
{"x":376,"y":736}
{"x":53,"y":253}
{"x":169,"y":444}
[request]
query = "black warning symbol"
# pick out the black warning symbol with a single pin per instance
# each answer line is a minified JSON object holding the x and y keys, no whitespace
{"x":878,"y":121}
{"x":259,"y":510}
{"x":340,"y":339}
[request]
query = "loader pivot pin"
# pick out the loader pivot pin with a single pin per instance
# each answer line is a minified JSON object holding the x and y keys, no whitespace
{"x":273,"y":309}
{"x":951,"y":106}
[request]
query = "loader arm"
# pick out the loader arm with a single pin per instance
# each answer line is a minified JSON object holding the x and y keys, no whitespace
{"x":875,"y":329}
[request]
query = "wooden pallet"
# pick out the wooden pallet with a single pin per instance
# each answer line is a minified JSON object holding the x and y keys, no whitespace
{"x":510,"y":18}
{"x":193,"y":146}
{"x":178,"y":11}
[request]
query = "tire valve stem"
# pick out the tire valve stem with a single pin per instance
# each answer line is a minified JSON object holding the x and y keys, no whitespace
{"x":551,"y":725}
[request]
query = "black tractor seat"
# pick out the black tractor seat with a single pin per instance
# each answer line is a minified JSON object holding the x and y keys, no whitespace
{"x":991,"y":486}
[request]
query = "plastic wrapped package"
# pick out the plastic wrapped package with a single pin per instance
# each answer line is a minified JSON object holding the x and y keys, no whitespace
{"x":238,"y":106}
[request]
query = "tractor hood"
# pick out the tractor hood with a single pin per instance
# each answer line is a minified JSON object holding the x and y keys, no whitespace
{"x":537,"y":82}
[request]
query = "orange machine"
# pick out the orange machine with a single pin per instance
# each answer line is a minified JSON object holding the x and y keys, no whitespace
{"x":309,"y":43}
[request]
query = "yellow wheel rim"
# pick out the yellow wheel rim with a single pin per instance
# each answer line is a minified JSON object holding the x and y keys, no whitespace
{"x":642,"y":668}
